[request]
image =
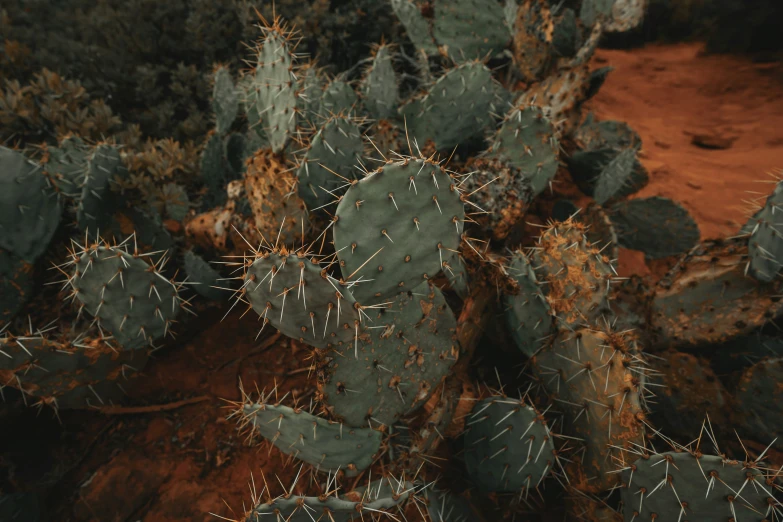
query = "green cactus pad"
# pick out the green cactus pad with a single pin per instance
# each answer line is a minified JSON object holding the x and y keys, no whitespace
{"x":593,"y":11}
{"x":311,"y":86}
{"x":379,"y":86}
{"x":455,"y":109}
{"x":204,"y":277}
{"x":566,"y":35}
{"x":16,"y":285}
{"x":598,"y":376}
{"x":328,"y":446}
{"x":707,"y":298}
{"x":766,"y":240}
{"x":526,"y":140}
{"x":336,"y":148}
{"x":225,"y":100}
{"x":272,"y":91}
{"x":574,"y":273}
{"x":622,"y":176}
{"x":470,"y":29}
{"x":126,"y":294}
{"x":395,"y":227}
{"x":444,"y":506}
{"x":212,"y":170}
{"x":367,"y":504}
{"x":501,"y":192}
{"x":657,"y":226}
{"x":527,"y":313}
{"x":693,"y":486}
{"x":403,"y":354}
{"x":30,"y":209}
{"x":508,"y":446}
{"x":760,"y":398}
{"x":83,"y":373}
{"x":300,"y":299}
{"x":338,"y":98}
{"x":66,"y":164}
{"x":533,"y":39}
{"x":417,"y":27}
{"x":98,"y":202}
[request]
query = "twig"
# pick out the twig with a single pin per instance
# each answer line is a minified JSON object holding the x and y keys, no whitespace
{"x":268,"y":343}
{"x":122,"y":410}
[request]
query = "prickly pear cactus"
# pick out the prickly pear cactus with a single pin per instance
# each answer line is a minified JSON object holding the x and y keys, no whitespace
{"x":401,"y":357}
{"x":98,"y":202}
{"x":279,"y":213}
{"x":534,"y":29}
{"x":508,"y":446}
{"x":30,"y":208}
{"x":599,"y":376}
{"x":66,"y":164}
{"x":380,"y":89}
{"x":765,"y":245}
{"x":432,"y":117}
{"x":377,"y":498}
{"x":528,"y":314}
{"x":396,"y":227}
{"x":707,"y":298}
{"x":444,"y":506}
{"x":206,"y":280}
{"x":657,"y":226}
{"x":294,"y":293}
{"x":225,"y":100}
{"x":328,"y":446}
{"x":331,"y":162}
{"x":272,"y":91}
{"x":83,"y":372}
{"x":575,"y":275}
{"x":693,"y":486}
{"x":502,"y":192}
{"x":125,"y":293}
{"x":526,"y":140}
{"x":470,"y":28}
{"x":759,"y":398}
{"x":417,"y":27}
{"x":16,"y":285}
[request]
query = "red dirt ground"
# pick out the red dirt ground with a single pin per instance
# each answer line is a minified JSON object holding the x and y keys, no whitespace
{"x":179,"y":465}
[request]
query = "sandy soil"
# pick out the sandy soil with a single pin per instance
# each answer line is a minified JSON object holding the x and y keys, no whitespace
{"x":179,"y":465}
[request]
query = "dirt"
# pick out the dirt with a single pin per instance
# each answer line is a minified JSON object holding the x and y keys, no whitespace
{"x":182,"y":464}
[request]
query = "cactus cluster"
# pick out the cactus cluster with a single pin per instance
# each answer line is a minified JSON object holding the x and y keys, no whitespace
{"x":379,"y":218}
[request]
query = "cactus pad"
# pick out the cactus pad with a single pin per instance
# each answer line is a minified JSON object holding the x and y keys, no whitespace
{"x":66,"y":164}
{"x":693,"y":486}
{"x":471,"y":90}
{"x":707,"y":298}
{"x":376,"y":498}
{"x":225,"y":100}
{"x":272,"y":90}
{"x":599,"y":375}
{"x":328,"y":446}
{"x":766,"y":240}
{"x":396,"y":226}
{"x":16,"y":284}
{"x":526,"y":140}
{"x":508,"y":446}
{"x":81,"y":373}
{"x":575,"y":274}
{"x":98,"y":203}
{"x":417,"y":27}
{"x":279,"y":213}
{"x":298,"y":297}
{"x":330,"y":162}
{"x":125,"y":293}
{"x":657,"y":226}
{"x":400,"y":359}
{"x":560,"y":96}
{"x":533,"y":39}
{"x":760,"y":398}
{"x":503,"y":194}
{"x":470,"y":28}
{"x":30,"y":209}
{"x":204,"y":277}
{"x":527,"y":313}
{"x":379,"y":86}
